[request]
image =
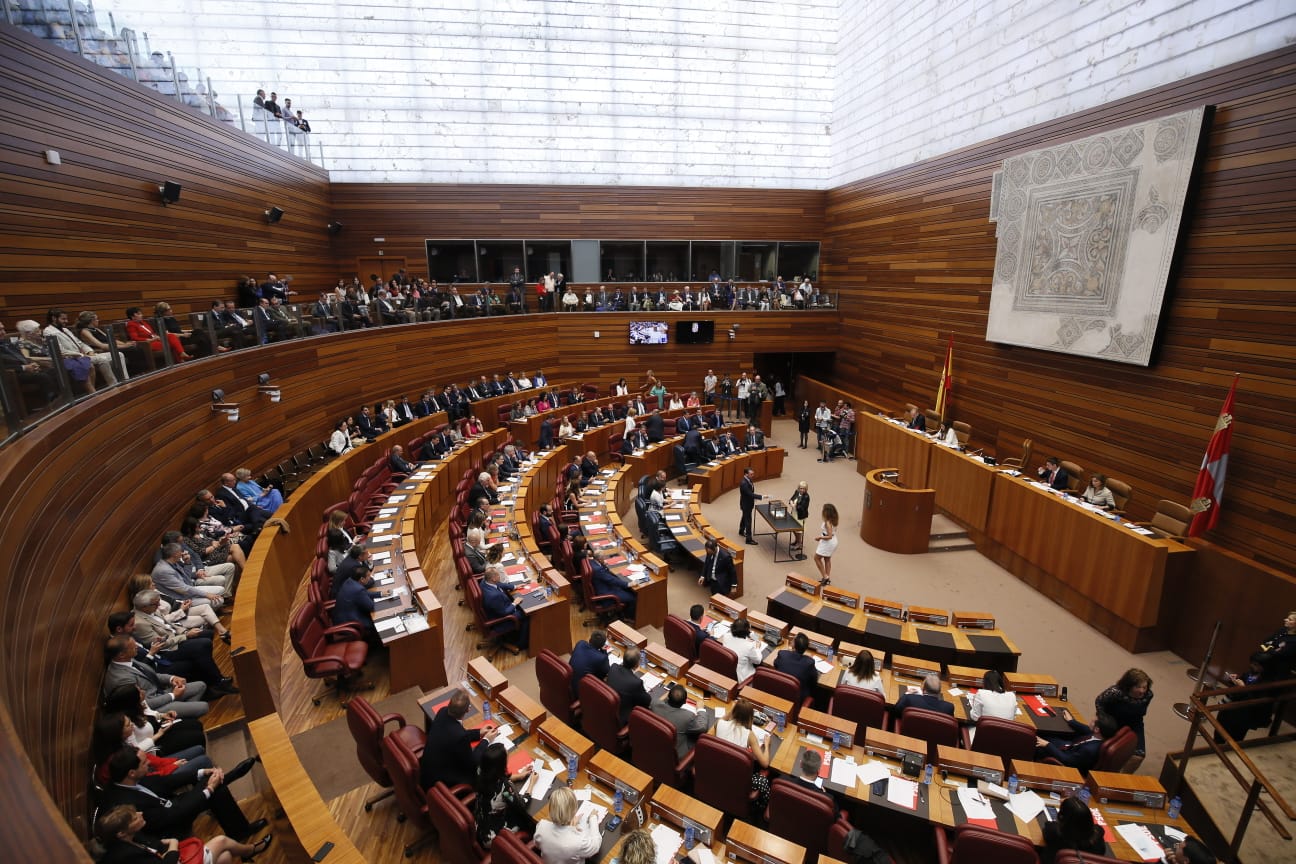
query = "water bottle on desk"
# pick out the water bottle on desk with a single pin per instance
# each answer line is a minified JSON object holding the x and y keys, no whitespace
{"x":1176,"y":804}
{"x":1083,"y":792}
{"x":690,"y":836}
{"x":571,"y":770}
{"x":1012,"y":784}
{"x":927,"y":774}
{"x":618,"y":802}
{"x":836,"y":741}
{"x":486,"y":710}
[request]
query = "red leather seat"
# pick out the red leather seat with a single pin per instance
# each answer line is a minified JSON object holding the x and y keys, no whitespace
{"x":600,"y":715}
{"x":509,"y":848}
{"x":456,"y":830}
{"x":934,"y":727}
{"x":804,"y":817}
{"x":1117,"y":750}
{"x":605,"y":607}
{"x":402,"y":765}
{"x":782,"y":685}
{"x":368,"y":729}
{"x":973,"y":844}
{"x":652,"y":748}
{"x":1073,"y":856}
{"x":714,"y":656}
{"x":554,"y":675}
{"x":336,"y":653}
{"x":1006,"y":739}
{"x":495,"y":630}
{"x":866,"y":707}
{"x":722,"y":776}
{"x":679,"y":637}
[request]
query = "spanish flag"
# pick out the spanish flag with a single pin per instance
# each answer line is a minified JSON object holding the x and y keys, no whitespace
{"x":946,"y":380}
{"x":1209,"y":491}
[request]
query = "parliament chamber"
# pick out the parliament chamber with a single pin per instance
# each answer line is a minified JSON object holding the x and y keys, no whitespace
{"x":88,"y":490}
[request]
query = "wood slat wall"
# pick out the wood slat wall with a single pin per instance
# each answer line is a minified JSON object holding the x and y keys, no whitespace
{"x":912,"y":252}
{"x":407,"y":214}
{"x":92,"y":233}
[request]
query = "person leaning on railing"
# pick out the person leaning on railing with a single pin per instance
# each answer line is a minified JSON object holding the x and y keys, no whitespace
{"x":1271,"y":662}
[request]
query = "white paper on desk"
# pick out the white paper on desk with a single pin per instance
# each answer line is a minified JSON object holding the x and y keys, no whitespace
{"x":975,"y":805}
{"x":702,"y":855}
{"x":541,"y":780}
{"x":415,"y":623}
{"x":673,"y":517}
{"x":507,"y":557}
{"x":1145,"y":532}
{"x":843,"y":773}
{"x":954,"y":691}
{"x":650,"y":681}
{"x":385,"y":579}
{"x":1141,"y":841}
{"x":668,"y":842}
{"x":719,"y":712}
{"x":1026,"y":805}
{"x":395,"y":499}
{"x":503,"y":731}
{"x":388,"y":511}
{"x":556,"y":765}
{"x":823,"y":667}
{"x":614,"y":659}
{"x":902,"y":792}
{"x":762,"y":734}
{"x":1174,"y":833}
{"x":380,"y":556}
{"x":679,"y":529}
{"x":583,"y":812}
{"x":383,"y":538}
{"x":607,"y":472}
{"x":871,"y":772}
{"x":381,"y":526}
{"x":392,"y":624}
{"x":583,"y":794}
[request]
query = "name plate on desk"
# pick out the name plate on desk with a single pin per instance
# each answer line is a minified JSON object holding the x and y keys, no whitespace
{"x":974,"y":620}
{"x":1037,"y":685}
{"x":923,"y":615}
{"x":913,"y":667}
{"x":819,"y":643}
{"x":966,"y":677}
{"x":772,"y":630}
{"x":890,"y":745}
{"x":712,"y":683}
{"x":524,"y":709}
{"x":723,"y":607}
{"x":1047,"y":778}
{"x":660,"y":656}
{"x":483,"y":675}
{"x":878,"y":606}
{"x":626,"y":636}
{"x":849,"y":599}
{"x":964,"y":762}
{"x":1109,"y":786}
{"x":804,"y":584}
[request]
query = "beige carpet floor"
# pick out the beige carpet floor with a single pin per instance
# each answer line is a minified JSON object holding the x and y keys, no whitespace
{"x":1222,"y":798}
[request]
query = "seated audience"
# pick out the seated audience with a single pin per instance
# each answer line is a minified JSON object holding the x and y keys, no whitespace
{"x":864,"y":673}
{"x":123,"y":666}
{"x":142,"y":332}
{"x":929,"y":698}
{"x":801,"y":667}
{"x":250,"y":491}
{"x":80,"y":368}
{"x":589,"y":657}
{"x":629,"y":686}
{"x":688,"y":724}
{"x":179,"y":582}
{"x":564,"y":839}
{"x":120,"y":830}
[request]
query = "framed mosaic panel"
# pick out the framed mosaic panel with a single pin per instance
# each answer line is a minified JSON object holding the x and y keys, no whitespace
{"x":1086,"y":238}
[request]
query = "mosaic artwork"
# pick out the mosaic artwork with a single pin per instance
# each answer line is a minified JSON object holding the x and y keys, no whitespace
{"x":1087,"y":232}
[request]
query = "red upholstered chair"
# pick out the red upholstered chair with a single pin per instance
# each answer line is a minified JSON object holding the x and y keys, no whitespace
{"x":934,"y":727}
{"x":605,"y":607}
{"x":782,"y":685}
{"x":335,"y":653}
{"x":494,"y":630}
{"x":973,"y":844}
{"x":866,"y":707}
{"x":509,"y":848}
{"x":555,"y":674}
{"x":714,"y":656}
{"x":804,"y":817}
{"x":722,"y":776}
{"x":402,"y":766}
{"x":368,"y":728}
{"x":652,"y":748}
{"x":456,"y":830}
{"x":1006,"y":739}
{"x":1117,"y":750}
{"x":1073,"y":856}
{"x":601,"y":715}
{"x":679,"y":637}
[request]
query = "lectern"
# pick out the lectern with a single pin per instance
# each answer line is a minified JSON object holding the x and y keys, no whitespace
{"x":896,"y":519}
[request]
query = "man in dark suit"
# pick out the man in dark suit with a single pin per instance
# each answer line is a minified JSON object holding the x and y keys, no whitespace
{"x":589,"y":658}
{"x":607,"y":582}
{"x":426,"y":405}
{"x":404,"y":411}
{"x":636,"y":440}
{"x":710,"y":450}
{"x":628,"y":685}
{"x":589,"y":468}
{"x":696,"y":613}
{"x":1054,"y":474}
{"x":688,"y":725}
{"x":915,"y":420}
{"x":725,"y":444}
{"x":167,"y":814}
{"x":655,"y":427}
{"x":755,"y":438}
{"x":369,"y":426}
{"x":718,"y":572}
{"x":747,"y":499}
{"x":400,"y":467}
{"x":798,"y":665}
{"x":481,"y":489}
{"x":448,"y":755}
{"x":1082,"y":752}
{"x":807,"y":776}
{"x":682,"y":425}
{"x":929,"y":698}
{"x":437,"y":445}
{"x":693,"y":445}
{"x":30,"y":372}
{"x":545,"y":441}
{"x":249,"y":514}
{"x":498,"y":603}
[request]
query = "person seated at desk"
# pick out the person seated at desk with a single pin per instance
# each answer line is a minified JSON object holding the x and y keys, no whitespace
{"x":564,"y":839}
{"x":992,"y":699}
{"x":1081,"y":752}
{"x":400,"y":466}
{"x":710,"y":450}
{"x":370,"y":426}
{"x":565,"y":427}
{"x":607,"y":582}
{"x":589,"y":657}
{"x":863,"y":673}
{"x":448,"y":755}
{"x":355,"y":603}
{"x":755,"y":437}
{"x":688,"y":724}
{"x":1054,"y":474}
{"x":807,"y":776}
{"x":1097,"y":493}
{"x":929,"y":698}
{"x":483,"y":488}
{"x":718,"y":572}
{"x":739,"y":641}
{"x":635,"y":441}
{"x":696,"y":613}
{"x":947,"y":436}
{"x":589,"y":468}
{"x":914,"y":419}
{"x":795,"y":663}
{"x":628,"y":686}
{"x":498,"y":603}
{"x":1073,"y":829}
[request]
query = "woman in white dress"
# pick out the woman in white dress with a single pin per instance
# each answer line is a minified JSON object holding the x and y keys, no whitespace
{"x":620,"y":388}
{"x":827,"y":543}
{"x":562,"y":838}
{"x":993,"y":699}
{"x":863,"y":674}
{"x":737,"y":729}
{"x":675,"y":402}
{"x":565,"y":428}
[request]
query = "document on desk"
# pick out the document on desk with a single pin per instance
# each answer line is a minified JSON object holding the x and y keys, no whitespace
{"x":679,"y":529}
{"x":667,"y":841}
{"x":903,"y":793}
{"x":390,"y":625}
{"x":975,"y":805}
{"x":1141,"y":841}
{"x":395,"y":499}
{"x":379,"y":557}
{"x":843,"y":772}
{"x":702,"y":855}
{"x":1026,"y":805}
{"x":650,"y":681}
{"x":823,"y":667}
{"x":381,"y":526}
{"x":388,"y":511}
{"x":383,"y":538}
{"x":541,"y":779}
{"x":871,"y":772}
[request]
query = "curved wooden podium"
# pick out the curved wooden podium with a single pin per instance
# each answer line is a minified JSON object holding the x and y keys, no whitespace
{"x":896,"y":519}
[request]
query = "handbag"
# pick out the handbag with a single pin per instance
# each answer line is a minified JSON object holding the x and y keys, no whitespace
{"x":192,"y":851}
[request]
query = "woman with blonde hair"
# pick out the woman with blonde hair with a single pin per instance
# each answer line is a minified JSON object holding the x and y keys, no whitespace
{"x":249,"y":490}
{"x":561,"y":838}
{"x":827,"y":543}
{"x":800,"y":504}
{"x":639,"y":848}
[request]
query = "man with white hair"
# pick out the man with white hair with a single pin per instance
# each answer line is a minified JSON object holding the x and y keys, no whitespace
{"x":32,"y":345}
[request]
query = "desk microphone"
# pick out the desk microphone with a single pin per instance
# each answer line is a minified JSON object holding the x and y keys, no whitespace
{"x":975,"y":452}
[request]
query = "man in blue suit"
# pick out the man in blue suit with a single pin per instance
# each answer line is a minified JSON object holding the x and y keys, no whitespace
{"x":589,"y":658}
{"x":1054,"y":474}
{"x":498,"y":603}
{"x":355,"y":604}
{"x":546,"y":438}
{"x":798,"y":665}
{"x":607,"y":582}
{"x":929,"y":698}
{"x":1081,"y":753}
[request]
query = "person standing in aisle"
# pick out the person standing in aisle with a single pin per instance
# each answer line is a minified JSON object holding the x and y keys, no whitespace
{"x":747,"y":498}
{"x":827,"y":543}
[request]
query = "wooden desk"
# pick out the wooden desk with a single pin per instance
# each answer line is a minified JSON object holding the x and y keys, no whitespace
{"x":881,"y":442}
{"x":896,"y":518}
{"x":673,"y":808}
{"x":748,"y":843}
{"x":963,"y":485}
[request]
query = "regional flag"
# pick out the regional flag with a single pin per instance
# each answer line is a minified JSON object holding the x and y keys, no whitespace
{"x":1209,"y":491}
{"x":946,"y":380}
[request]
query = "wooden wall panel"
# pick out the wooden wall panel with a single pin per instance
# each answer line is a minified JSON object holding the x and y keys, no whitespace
{"x":92,"y":233}
{"x":912,"y":252}
{"x":407,"y":214}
